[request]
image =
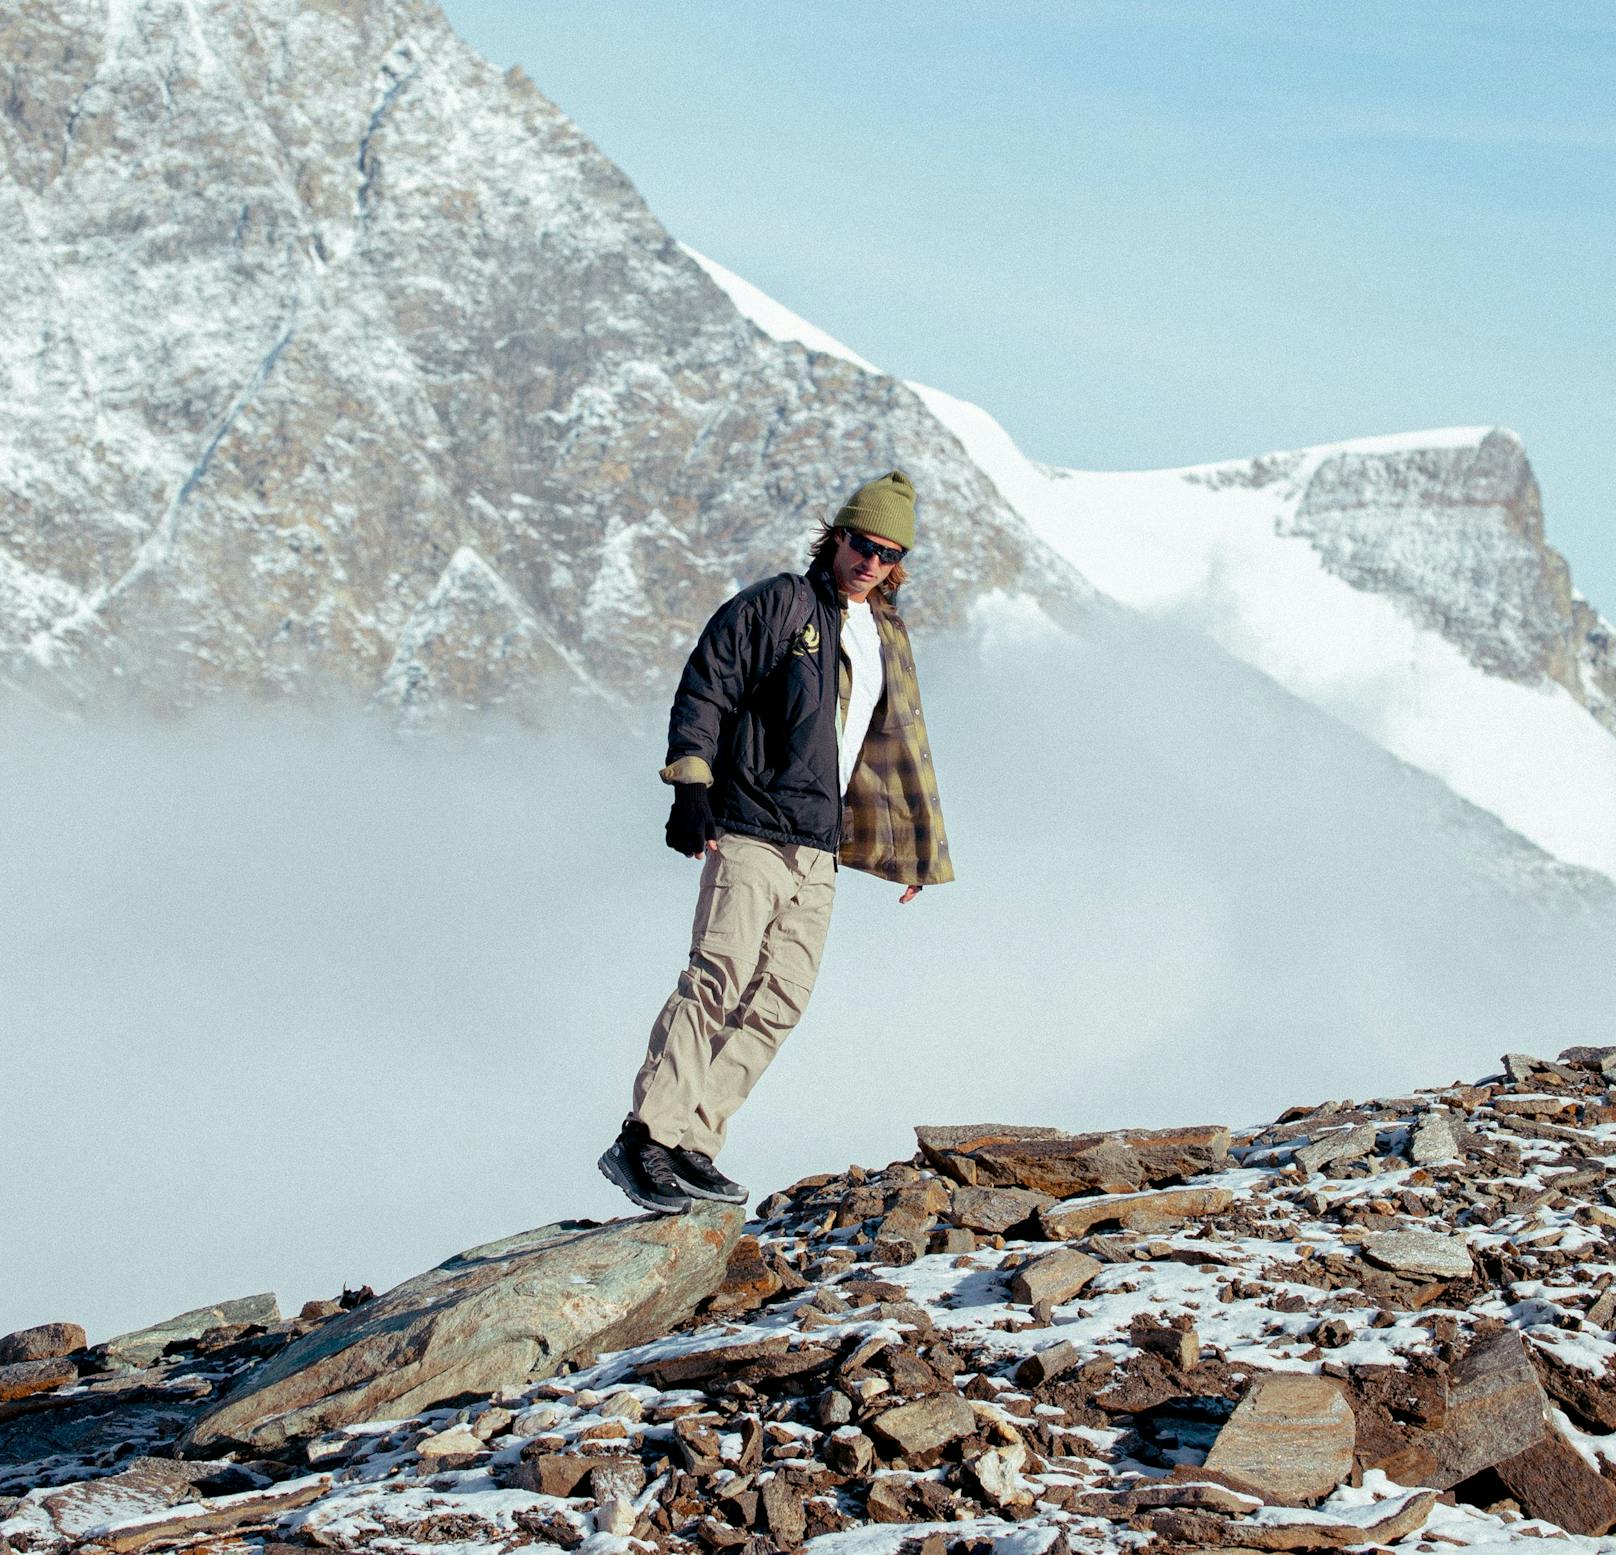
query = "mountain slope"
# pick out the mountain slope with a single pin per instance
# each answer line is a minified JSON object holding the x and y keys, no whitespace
{"x":310,"y":301}
{"x":1403,"y":584}
{"x":336,"y":366}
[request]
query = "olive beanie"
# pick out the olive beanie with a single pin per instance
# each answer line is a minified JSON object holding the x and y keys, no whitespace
{"x":884,"y":507}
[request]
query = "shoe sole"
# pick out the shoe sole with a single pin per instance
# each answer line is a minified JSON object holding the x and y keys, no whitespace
{"x":706,"y":1193}
{"x":618,"y":1178}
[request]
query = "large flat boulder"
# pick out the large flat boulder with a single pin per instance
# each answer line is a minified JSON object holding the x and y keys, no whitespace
{"x":1063,"y":1165}
{"x":501,"y":1315}
{"x":1496,"y":1410}
{"x":1290,"y":1439}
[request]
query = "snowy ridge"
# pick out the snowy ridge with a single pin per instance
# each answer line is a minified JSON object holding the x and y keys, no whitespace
{"x":775,"y":319}
{"x":1226,"y":547}
{"x":1189,"y":544}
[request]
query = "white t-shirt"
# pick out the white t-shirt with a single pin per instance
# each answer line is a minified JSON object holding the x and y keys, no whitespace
{"x":861,"y":642}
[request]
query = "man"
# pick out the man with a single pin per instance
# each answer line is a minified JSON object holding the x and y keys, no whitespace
{"x":796,"y":741}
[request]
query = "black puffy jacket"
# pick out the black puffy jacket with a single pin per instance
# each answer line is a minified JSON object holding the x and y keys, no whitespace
{"x":756,"y":717}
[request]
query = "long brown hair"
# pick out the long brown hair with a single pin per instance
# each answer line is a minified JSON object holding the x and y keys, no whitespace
{"x":824,"y":546}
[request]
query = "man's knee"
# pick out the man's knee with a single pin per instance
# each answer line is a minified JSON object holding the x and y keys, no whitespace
{"x":778,"y":1004}
{"x":712,"y":983}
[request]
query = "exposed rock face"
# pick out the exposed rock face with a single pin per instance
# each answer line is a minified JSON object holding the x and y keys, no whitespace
{"x":1455,"y":537}
{"x":381,"y":381}
{"x":491,"y":1317}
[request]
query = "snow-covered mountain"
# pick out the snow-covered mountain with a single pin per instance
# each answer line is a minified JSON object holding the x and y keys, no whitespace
{"x":335,"y":365}
{"x":1403,"y":584}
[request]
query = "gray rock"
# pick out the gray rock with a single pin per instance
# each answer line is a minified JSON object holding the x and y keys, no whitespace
{"x":915,"y":1429}
{"x":1291,"y":1439}
{"x":146,"y":1486}
{"x":1588,"y":1057}
{"x":44,"y":1343}
{"x":555,"y":398}
{"x":499,"y":1315}
{"x":144,"y":1345}
{"x":1419,"y":1252}
{"x":991,"y":1210}
{"x":1348,"y":1144}
{"x":1436,"y":1137}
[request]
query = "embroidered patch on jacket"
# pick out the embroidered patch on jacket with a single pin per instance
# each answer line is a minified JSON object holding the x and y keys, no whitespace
{"x":807,"y":641}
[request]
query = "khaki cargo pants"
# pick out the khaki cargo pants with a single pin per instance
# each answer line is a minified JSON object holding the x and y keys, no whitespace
{"x":761,"y":918}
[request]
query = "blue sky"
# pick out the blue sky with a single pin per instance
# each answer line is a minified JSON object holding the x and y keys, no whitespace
{"x":1149,"y":234}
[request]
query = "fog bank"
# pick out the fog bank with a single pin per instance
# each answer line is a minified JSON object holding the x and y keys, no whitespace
{"x":287,"y":1005}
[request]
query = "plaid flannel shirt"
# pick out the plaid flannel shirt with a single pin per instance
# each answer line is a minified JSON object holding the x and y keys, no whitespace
{"x":892,"y":825}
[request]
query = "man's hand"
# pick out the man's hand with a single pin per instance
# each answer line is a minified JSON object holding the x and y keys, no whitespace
{"x":910,"y":894}
{"x":691,"y":829}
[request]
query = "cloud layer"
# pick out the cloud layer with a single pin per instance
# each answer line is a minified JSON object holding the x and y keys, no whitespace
{"x":287,"y":1005}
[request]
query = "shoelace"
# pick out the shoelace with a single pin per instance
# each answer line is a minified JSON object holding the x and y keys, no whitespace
{"x":659,"y":1170}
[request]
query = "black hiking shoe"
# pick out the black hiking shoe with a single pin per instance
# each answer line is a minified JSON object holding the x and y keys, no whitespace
{"x":698,"y":1176}
{"x":642,"y":1169}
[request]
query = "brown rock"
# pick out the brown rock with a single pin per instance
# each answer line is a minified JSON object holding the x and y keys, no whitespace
{"x":991,"y":1210}
{"x":1045,"y":1365}
{"x":1177,"y":1343}
{"x":1587,"y":1396}
{"x":849,"y":1451}
{"x":1496,"y":1410}
{"x":553,"y":1473}
{"x":147,"y":1486}
{"x":1166,"y":1153}
{"x":897,"y":1498}
{"x":911,"y":1430}
{"x":783,"y":1513}
{"x":1533,"y":1106}
{"x":47,"y":1342}
{"x":1552,"y":1480}
{"x":948,"y":1146}
{"x":1291,"y":1438}
{"x":23,"y":1379}
{"x":748,"y":1282}
{"x":910,"y":1375}
{"x":1199,"y":1495}
{"x":699,"y":1366}
{"x":1062,"y":1167}
{"x":1205,"y":1531}
{"x":1055,"y":1277}
{"x":697,"y":1446}
{"x":1077,"y":1217}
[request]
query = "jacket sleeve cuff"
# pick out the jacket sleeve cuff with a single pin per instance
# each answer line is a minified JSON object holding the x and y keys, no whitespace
{"x":688,"y":769}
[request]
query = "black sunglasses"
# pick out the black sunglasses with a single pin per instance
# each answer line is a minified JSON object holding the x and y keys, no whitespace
{"x":887,"y":555}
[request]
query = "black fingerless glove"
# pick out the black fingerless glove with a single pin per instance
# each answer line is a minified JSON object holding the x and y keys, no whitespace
{"x":690,"y":821}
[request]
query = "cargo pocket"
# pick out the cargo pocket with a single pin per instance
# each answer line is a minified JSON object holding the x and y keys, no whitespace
{"x":733,"y":905}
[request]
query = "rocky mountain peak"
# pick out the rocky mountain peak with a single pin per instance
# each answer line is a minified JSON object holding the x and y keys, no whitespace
{"x":310,"y":301}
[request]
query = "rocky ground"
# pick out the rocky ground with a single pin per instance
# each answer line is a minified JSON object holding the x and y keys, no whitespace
{"x":1384,"y":1323}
